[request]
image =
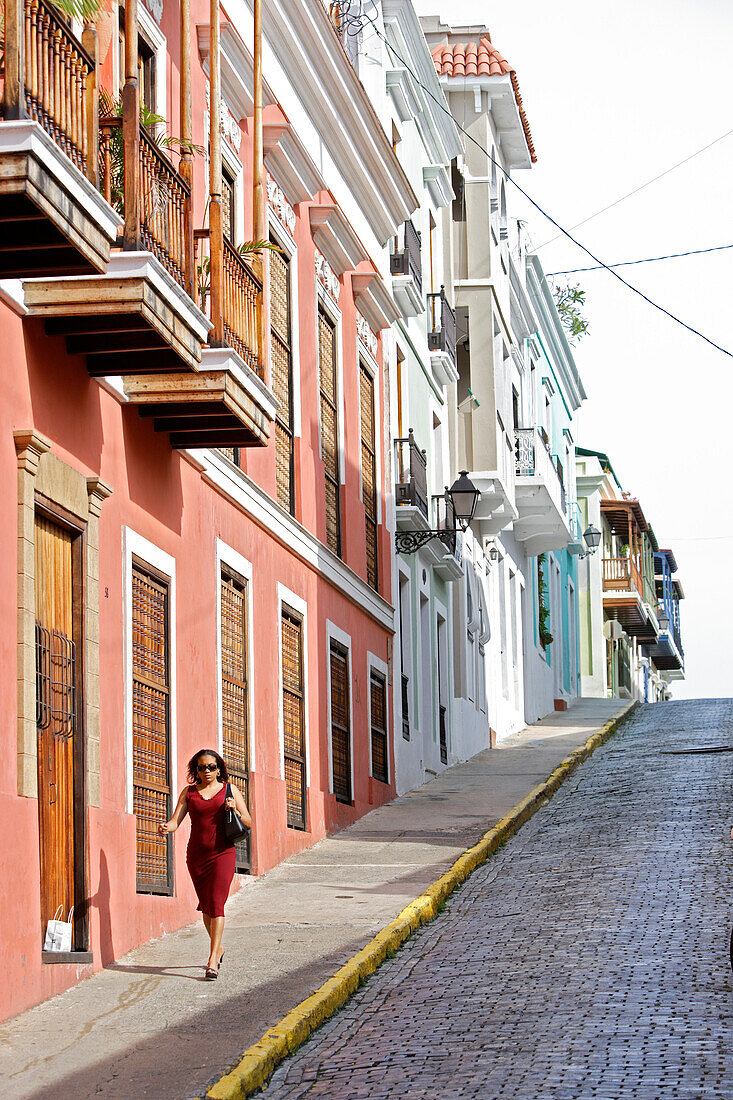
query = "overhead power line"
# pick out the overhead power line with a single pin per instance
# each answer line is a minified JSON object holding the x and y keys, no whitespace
{"x":649,"y":260}
{"x":641,"y":187}
{"x":562,"y":231}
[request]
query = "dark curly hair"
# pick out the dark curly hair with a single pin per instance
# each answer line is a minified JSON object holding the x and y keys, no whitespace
{"x":222,"y":774}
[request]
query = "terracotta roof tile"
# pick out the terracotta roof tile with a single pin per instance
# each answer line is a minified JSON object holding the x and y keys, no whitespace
{"x":481,"y":59}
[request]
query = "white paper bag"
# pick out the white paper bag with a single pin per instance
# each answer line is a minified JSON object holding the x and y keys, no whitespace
{"x":59,"y":933}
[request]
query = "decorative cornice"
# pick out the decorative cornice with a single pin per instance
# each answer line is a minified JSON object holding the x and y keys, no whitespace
{"x":30,"y":446}
{"x":97,"y":492}
{"x":326,"y":276}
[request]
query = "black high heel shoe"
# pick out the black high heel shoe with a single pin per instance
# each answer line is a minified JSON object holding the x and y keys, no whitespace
{"x":211,"y":974}
{"x":221,"y":960}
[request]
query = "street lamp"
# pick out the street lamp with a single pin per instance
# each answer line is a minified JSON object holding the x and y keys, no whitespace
{"x":663,"y":620}
{"x":592,"y":537}
{"x":463,"y":496}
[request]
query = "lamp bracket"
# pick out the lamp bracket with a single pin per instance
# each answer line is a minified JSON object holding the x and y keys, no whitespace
{"x":409,"y":542}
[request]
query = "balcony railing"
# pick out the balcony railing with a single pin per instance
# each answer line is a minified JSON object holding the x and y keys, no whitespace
{"x":405,"y":707}
{"x":164,"y":196}
{"x":441,"y":325}
{"x":443,"y":734}
{"x":241,"y":298}
{"x":411,"y":474}
{"x":445,"y":519}
{"x":575,"y":521}
{"x":408,"y":261}
{"x":621,"y":574}
{"x":50,"y":76}
{"x":524,"y":451}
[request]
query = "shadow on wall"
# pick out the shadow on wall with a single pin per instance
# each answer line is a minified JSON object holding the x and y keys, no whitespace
{"x":102,"y":901}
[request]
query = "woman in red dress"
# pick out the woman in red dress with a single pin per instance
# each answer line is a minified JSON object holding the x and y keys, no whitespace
{"x":210,"y":856}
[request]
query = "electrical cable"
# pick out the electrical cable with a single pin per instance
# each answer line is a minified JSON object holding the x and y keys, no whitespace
{"x":648,"y":260}
{"x":641,"y":187}
{"x":563,"y":232}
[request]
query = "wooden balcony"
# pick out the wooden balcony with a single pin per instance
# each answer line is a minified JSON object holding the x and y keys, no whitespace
{"x":623,"y":597}
{"x":621,"y":574}
{"x":53,"y":221}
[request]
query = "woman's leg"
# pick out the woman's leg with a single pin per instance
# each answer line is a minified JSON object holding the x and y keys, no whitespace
{"x":207,"y":922}
{"x":216,"y":928}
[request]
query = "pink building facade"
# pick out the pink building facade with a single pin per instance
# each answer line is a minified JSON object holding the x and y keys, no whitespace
{"x":195,"y":539}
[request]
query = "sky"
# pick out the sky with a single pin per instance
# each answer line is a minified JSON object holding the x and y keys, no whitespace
{"x":616,"y":94}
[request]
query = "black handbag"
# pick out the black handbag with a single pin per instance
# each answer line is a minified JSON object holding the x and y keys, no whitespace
{"x":234,"y":827}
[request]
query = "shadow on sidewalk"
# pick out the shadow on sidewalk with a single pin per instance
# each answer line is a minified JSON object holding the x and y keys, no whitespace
{"x":173,"y":1058}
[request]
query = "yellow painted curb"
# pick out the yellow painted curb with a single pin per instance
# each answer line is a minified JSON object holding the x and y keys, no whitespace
{"x":258,"y":1062}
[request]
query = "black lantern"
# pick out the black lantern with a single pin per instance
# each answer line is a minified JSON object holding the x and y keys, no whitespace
{"x":464,"y":496}
{"x":663,"y":620}
{"x":592,"y":537}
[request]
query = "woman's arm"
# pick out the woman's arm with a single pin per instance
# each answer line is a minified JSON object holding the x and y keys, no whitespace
{"x":236,"y":802}
{"x":179,"y":813}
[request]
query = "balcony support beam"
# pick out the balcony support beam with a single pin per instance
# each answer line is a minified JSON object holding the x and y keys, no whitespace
{"x":90,"y":42}
{"x":185,"y":167}
{"x":216,"y":229}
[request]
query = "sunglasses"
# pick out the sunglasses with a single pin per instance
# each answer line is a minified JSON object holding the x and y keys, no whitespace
{"x":207,"y":767}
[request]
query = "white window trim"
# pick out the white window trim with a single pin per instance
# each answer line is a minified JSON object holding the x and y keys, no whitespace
{"x":296,"y":604}
{"x":227,"y":556}
{"x":160,"y":562}
{"x":440,"y":612}
{"x":378,"y":665}
{"x":336,"y":634}
{"x":157,"y":40}
{"x":334,"y":313}
{"x":289,"y":247}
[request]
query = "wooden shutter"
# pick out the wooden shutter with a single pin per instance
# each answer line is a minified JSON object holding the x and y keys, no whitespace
{"x":282,"y":375}
{"x":329,"y":428}
{"x":369,"y":474}
{"x":151,"y":730}
{"x":235,"y":692}
{"x":227,"y":205}
{"x":378,"y":698}
{"x":340,"y":733}
{"x":293,"y":719}
{"x":56,"y":714}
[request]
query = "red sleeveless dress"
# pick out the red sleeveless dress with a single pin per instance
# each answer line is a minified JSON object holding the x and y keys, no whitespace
{"x":210,"y":857}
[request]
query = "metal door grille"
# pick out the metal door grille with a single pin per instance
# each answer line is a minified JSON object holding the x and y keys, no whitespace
{"x":235,"y":693}
{"x":150,"y":730}
{"x":378,"y":697}
{"x":55,"y":682}
{"x":329,"y":429}
{"x":369,"y":474}
{"x":293,"y":719}
{"x":340,"y":724}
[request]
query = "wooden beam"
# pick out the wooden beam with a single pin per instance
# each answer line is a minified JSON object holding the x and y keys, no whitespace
{"x":131,"y":131}
{"x":185,"y":167}
{"x":68,"y":326}
{"x":259,"y":229}
{"x":134,"y":362}
{"x":14,"y":60}
{"x":90,"y":42}
{"x":236,"y":437}
{"x":216,"y":231}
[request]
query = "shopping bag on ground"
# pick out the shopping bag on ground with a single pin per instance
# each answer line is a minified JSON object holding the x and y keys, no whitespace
{"x":59,"y":932}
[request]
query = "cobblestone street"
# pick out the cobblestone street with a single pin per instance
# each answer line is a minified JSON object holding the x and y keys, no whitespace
{"x":589,"y":958}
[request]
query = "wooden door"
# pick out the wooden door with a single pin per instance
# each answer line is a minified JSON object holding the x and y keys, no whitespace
{"x":235,"y":694}
{"x":56,"y":714}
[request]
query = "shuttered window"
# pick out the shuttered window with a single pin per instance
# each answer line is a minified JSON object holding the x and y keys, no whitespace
{"x":340,"y":723}
{"x":369,"y":474}
{"x":235,"y":692}
{"x":378,"y":701}
{"x":282,"y":375}
{"x":233,"y":454}
{"x":329,"y":428}
{"x":151,"y":792}
{"x":227,"y":205}
{"x":293,"y":719}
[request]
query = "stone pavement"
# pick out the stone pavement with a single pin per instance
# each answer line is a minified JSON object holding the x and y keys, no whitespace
{"x":149,"y":1026}
{"x":587,"y":959}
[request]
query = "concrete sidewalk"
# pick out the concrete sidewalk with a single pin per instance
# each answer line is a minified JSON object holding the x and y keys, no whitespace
{"x":149,"y":1026}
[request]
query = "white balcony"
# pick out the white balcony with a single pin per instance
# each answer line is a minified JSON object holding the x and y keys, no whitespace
{"x":542,"y":523}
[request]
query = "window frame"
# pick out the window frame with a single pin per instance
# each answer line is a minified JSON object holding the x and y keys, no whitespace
{"x":340,"y":640}
{"x":377,"y":668}
{"x":292,"y":604}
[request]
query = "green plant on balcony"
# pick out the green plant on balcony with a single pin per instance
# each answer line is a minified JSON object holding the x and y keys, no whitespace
{"x":543,"y":608}
{"x":203,"y":267}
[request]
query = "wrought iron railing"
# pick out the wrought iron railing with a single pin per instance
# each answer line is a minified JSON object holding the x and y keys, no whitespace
{"x":405,"y":707}
{"x":443,"y":734}
{"x":441,"y":325}
{"x":408,"y":261}
{"x":47,"y":73}
{"x":164,"y":196}
{"x":524,"y":452}
{"x":575,"y":520}
{"x":445,"y":520}
{"x":411,"y":486}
